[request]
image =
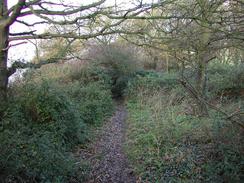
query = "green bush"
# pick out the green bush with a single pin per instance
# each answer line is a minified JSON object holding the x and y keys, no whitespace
{"x":119,"y":62}
{"x":151,"y":81}
{"x":224,"y":77}
{"x":39,"y":127}
{"x":95,"y":103}
{"x":49,"y":106}
{"x":34,"y":154}
{"x":94,"y":100}
{"x":90,"y":74}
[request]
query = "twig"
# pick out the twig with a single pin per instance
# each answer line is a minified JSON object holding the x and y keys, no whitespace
{"x":198,"y":97}
{"x":238,"y":111}
{"x":16,"y":44}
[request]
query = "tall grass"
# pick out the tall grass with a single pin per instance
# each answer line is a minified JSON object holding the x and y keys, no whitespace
{"x":168,"y":143}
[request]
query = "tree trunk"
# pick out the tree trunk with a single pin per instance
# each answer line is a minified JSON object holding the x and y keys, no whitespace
{"x":4,"y":33}
{"x":3,"y":66}
{"x":201,"y":82}
{"x":200,"y":77}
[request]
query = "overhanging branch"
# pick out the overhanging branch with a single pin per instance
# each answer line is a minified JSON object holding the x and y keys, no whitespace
{"x":72,"y":35}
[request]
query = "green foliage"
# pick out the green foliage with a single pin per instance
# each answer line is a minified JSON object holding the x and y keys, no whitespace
{"x":167,"y":143}
{"x":151,"y":81}
{"x":38,"y":129}
{"x":223,"y":77}
{"x":47,"y":104}
{"x":119,"y":62}
{"x":90,"y":74}
{"x":94,"y":101}
{"x":45,"y":120}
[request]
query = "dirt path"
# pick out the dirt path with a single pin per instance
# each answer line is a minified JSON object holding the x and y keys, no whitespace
{"x":109,"y":162}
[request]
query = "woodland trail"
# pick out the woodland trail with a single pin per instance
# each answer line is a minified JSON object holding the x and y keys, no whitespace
{"x":110,"y":164}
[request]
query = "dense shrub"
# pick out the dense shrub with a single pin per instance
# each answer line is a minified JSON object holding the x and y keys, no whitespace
{"x":46,"y":104}
{"x":38,"y":129}
{"x":94,"y":101}
{"x":225,"y":78}
{"x":91,"y":74}
{"x":118,"y":61}
{"x":151,"y":81}
{"x":47,"y":116}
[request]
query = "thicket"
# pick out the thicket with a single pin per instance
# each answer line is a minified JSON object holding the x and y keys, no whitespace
{"x":119,"y":61}
{"x":168,"y":142}
{"x":49,"y":113}
{"x":224,"y":79}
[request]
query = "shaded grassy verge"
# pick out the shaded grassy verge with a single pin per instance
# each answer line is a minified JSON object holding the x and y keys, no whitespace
{"x":166,"y":142}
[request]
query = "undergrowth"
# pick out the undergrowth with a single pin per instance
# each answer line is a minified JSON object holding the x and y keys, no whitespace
{"x":167,"y":142}
{"x":54,"y":110}
{"x":48,"y":117}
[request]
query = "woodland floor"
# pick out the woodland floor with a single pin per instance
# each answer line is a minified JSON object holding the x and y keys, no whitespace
{"x":109,"y":162}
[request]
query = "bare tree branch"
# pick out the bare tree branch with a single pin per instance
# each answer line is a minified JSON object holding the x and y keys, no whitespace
{"x":16,"y":12}
{"x":73,"y":35}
